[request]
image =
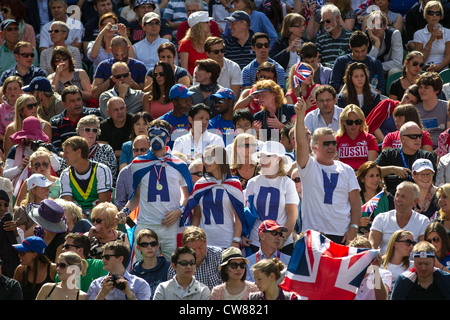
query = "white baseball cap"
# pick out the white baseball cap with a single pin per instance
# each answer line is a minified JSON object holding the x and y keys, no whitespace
{"x":149,"y":16}
{"x":421,"y":165}
{"x":38,"y":180}
{"x":198,"y":16}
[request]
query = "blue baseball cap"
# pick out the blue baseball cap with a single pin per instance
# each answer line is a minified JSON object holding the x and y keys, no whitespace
{"x":180,"y":91}
{"x":239,"y":15}
{"x":38,"y":84}
{"x":32,"y":243}
{"x":223,"y":93}
{"x":7,"y":22}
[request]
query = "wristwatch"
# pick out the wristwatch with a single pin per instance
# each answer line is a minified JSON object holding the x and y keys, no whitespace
{"x":354,"y":226}
{"x":237,"y":239}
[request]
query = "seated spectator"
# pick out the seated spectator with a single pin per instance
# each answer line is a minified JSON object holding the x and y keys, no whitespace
{"x":243,"y":163}
{"x":436,"y":234}
{"x":163,"y":81}
{"x":261,"y":46}
{"x":74,"y":217}
{"x":66,"y":74}
{"x":12,"y":89}
{"x":359,"y":43}
{"x":223,"y":102}
{"x":305,"y":89}
{"x":119,"y":284}
{"x":17,"y":10}
{"x":183,"y":263}
{"x":135,"y":99}
{"x":394,"y":17}
{"x":414,"y":62}
{"x":332,"y":43}
{"x":397,"y":258}
{"x":309,"y":54}
{"x":442,"y":173}
{"x":284,"y":50}
{"x":422,"y":173}
{"x":152,"y":268}
{"x":385,"y":42}
{"x":59,"y":31}
{"x":433,"y":40}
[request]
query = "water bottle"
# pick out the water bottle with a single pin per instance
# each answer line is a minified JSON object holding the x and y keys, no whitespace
{"x":374,"y":82}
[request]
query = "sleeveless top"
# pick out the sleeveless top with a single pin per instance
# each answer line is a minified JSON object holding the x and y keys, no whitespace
{"x":53,"y":288}
{"x":75,"y":80}
{"x":30,"y":290}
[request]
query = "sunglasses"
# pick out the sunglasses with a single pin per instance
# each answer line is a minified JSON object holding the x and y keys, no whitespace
{"x":146,"y":244}
{"x":235,"y":265}
{"x":108,"y":256}
{"x":37,"y":165}
{"x":31,"y":106}
{"x":275,"y":233}
{"x":326,"y":144}
{"x":351,"y":122}
{"x":185,"y":263}
{"x":5,"y":10}
{"x":260,"y":45}
{"x":68,"y":245}
{"x":123,"y":75}
{"x":218,"y":51}
{"x":97,"y":220}
{"x":156,"y":23}
{"x":408,"y":242}
{"x":416,"y":63}
{"x":55,"y":31}
{"x":297,"y":180}
{"x":413,"y":136}
{"x":140,"y":149}
{"x":434,"y":13}
{"x":27,"y":55}
{"x":325,"y":21}
{"x":198,"y":174}
{"x":161,"y":74}
{"x":12,"y":29}
{"x":58,"y":60}
{"x":434,"y":240}
{"x":61,"y":265}
{"x":87,"y":130}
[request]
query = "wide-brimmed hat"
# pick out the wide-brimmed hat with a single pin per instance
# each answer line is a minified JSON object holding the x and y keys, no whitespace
{"x":275,"y":148}
{"x":48,"y":214}
{"x":32,"y":243}
{"x":230,"y":254}
{"x":31,"y":129}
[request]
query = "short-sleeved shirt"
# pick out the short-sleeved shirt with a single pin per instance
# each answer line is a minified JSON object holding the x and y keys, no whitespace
{"x":137,"y":70}
{"x":241,"y":54}
{"x":392,"y":139}
{"x":434,"y":121}
{"x":355,"y":152}
{"x":187,"y":46}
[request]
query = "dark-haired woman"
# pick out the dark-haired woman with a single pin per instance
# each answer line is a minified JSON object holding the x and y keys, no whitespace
{"x":163,"y":80}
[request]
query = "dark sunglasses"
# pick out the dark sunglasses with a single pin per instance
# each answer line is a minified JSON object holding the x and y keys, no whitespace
{"x":87,"y":130}
{"x":434,"y":13}
{"x":185,"y":263}
{"x":325,"y":21}
{"x":275,"y":233}
{"x":5,"y":10}
{"x":31,"y":106}
{"x":108,"y":256}
{"x":156,"y":23}
{"x":27,"y":55}
{"x":37,"y":165}
{"x":97,"y":220}
{"x":235,"y":265}
{"x":161,"y":74}
{"x":123,"y":75}
{"x":68,"y":245}
{"x":434,"y":240}
{"x":198,"y":174}
{"x":260,"y":45}
{"x":297,"y":180}
{"x":140,"y":149}
{"x":408,"y":242}
{"x":146,"y":244}
{"x":326,"y":144}
{"x":55,"y":31}
{"x":12,"y":29}
{"x":218,"y":51}
{"x":413,"y":136}
{"x":351,"y":122}
{"x":58,"y":60}
{"x":415,"y":63}
{"x":61,"y":265}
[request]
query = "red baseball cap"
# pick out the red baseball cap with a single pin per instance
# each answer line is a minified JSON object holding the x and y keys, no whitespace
{"x":270,"y":225}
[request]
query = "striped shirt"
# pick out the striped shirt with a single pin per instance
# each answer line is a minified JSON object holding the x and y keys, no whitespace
{"x":234,"y":51}
{"x":249,"y":73}
{"x":330,"y":49}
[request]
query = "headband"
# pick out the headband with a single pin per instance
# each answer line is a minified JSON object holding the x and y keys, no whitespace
{"x":424,"y":254}
{"x":158,"y":128}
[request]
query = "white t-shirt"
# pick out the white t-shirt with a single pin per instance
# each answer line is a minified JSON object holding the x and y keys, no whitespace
{"x":398,"y":269}
{"x":76,"y":31}
{"x":187,"y":146}
{"x":366,"y":289}
{"x":437,"y":48}
{"x":153,"y":203}
{"x":325,"y":196}
{"x":218,"y":218}
{"x":386,"y":223}
{"x":270,"y":199}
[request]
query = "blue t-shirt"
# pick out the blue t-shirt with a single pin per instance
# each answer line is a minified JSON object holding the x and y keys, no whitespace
{"x":180,"y":126}
{"x":137,"y":68}
{"x":225,"y":128}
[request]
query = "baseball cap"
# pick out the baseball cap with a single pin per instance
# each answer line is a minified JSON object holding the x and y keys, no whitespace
{"x":149,"y":16}
{"x":7,"y":22}
{"x":197,"y":17}
{"x":180,"y":91}
{"x":38,"y":180}
{"x":38,"y":84}
{"x":239,"y":15}
{"x":141,"y":2}
{"x":421,"y":165}
{"x":223,"y":93}
{"x":32,"y":243}
{"x":270,"y":225}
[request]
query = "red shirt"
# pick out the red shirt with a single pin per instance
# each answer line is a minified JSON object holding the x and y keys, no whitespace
{"x":356,"y":152}
{"x":184,"y":27}
{"x":194,"y":55}
{"x":392,"y":139}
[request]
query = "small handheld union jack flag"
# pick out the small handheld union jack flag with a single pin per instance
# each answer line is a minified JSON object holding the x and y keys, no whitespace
{"x":300,"y":74}
{"x":371,"y":205}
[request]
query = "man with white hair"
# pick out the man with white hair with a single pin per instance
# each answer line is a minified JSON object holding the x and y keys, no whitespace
{"x":334,"y":42}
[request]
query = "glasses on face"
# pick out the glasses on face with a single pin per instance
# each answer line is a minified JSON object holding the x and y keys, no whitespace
{"x":27,"y":55}
{"x":97,"y":220}
{"x":198,"y":174}
{"x":88,"y":130}
{"x":275,"y":233}
{"x":235,"y":265}
{"x":351,"y":122}
{"x":55,"y":31}
{"x":297,"y":180}
{"x":151,"y":24}
{"x":31,"y":106}
{"x":12,"y":29}
{"x":260,"y":45}
{"x":408,"y":242}
{"x":434,"y":13}
{"x":413,"y":136}
{"x":140,"y":149}
{"x":108,"y":256}
{"x":325,"y":21}
{"x":434,"y":240}
{"x":58,"y":60}
{"x":185,"y":263}
{"x":68,"y":245}
{"x":61,"y":265}
{"x":123,"y":75}
{"x":146,"y":244}
{"x":161,"y":74}
{"x":326,"y":144}
{"x":416,"y":63}
{"x":218,"y":51}
{"x":247,"y":145}
{"x":44,"y":165}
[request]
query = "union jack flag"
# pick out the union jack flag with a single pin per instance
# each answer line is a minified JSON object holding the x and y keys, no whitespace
{"x":300,"y":74}
{"x":320,"y":269}
{"x":361,"y":8}
{"x":371,"y":205}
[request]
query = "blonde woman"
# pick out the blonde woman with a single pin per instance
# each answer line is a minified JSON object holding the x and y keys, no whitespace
{"x":74,"y":217}
{"x":69,"y":267}
{"x":354,"y":144}
{"x":397,"y":257}
{"x":443,"y":194}
{"x":243,"y":163}
{"x":275,"y":113}
{"x":26,"y":105}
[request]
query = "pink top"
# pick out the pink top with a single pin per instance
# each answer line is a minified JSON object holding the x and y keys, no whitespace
{"x":356,"y":152}
{"x":219,"y":292}
{"x":7,"y":114}
{"x":392,"y":139}
{"x":157,"y":109}
{"x":443,"y":143}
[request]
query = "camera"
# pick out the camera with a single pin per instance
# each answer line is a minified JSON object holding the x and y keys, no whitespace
{"x":37,"y":144}
{"x":114,"y":27}
{"x":118,"y":285}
